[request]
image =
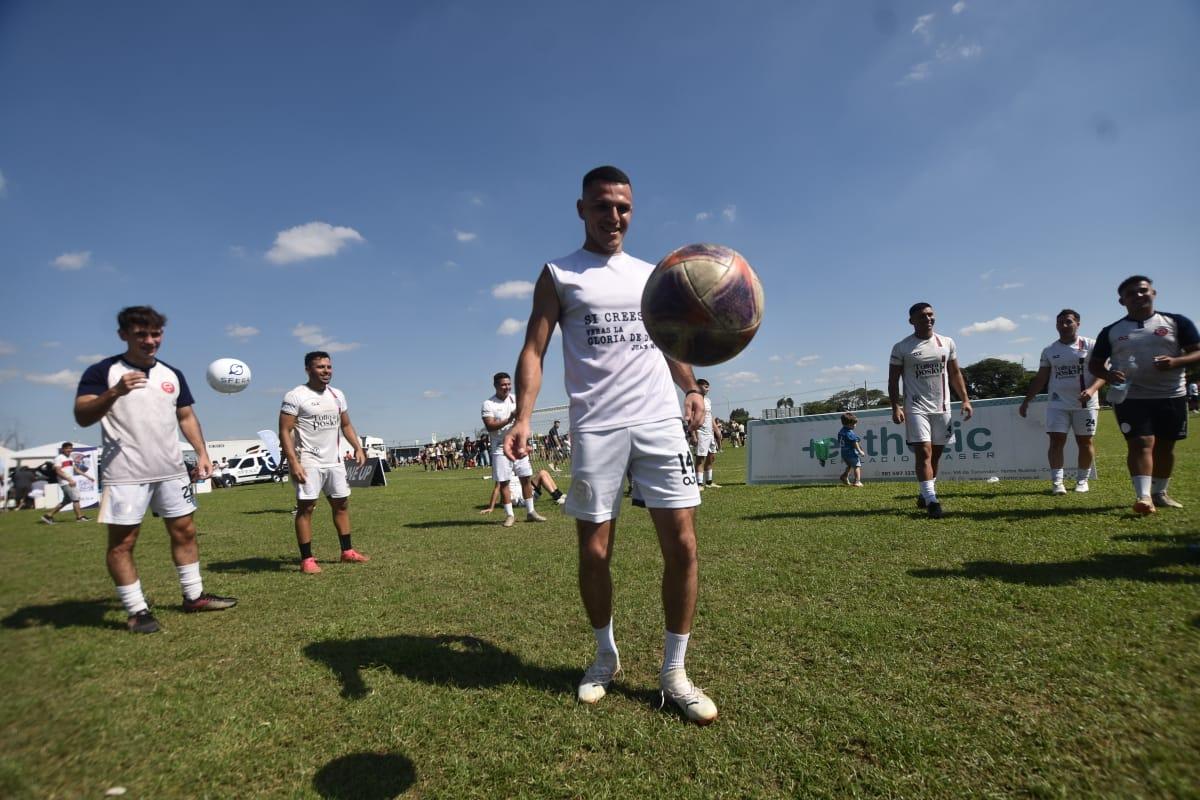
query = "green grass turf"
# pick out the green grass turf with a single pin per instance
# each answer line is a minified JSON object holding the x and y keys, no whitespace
{"x":1025,"y":646}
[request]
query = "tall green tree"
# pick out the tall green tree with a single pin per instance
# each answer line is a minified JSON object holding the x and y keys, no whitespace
{"x":995,"y":377}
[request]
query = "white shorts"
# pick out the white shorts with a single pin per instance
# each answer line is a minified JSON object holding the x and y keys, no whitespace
{"x":932,"y":428}
{"x":655,"y":454}
{"x":503,"y":470}
{"x":69,"y":492}
{"x":331,"y":480}
{"x":705,"y":444}
{"x":1081,"y":420}
{"x":126,"y":503}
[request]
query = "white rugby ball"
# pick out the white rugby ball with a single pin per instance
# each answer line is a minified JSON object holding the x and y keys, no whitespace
{"x":228,"y":375}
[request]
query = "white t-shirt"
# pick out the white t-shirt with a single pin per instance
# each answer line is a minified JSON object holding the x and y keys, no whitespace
{"x":139,"y":435}
{"x":496,"y":409}
{"x":318,"y":431}
{"x":1069,"y":373}
{"x":706,"y":426}
{"x":926,"y":376}
{"x":66,"y":465}
{"x":615,"y":376}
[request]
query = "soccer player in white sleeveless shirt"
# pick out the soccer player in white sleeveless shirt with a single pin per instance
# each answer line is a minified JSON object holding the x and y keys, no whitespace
{"x":142,"y":405}
{"x":498,"y":413}
{"x":312,"y":421}
{"x":1074,"y":402}
{"x":928,"y":363}
{"x":708,"y":438}
{"x":624,"y":416}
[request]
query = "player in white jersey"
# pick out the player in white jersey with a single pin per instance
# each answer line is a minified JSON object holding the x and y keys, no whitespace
{"x":498,"y":413}
{"x":1150,"y":351}
{"x":928,"y":363}
{"x":1074,"y":403}
{"x":624,"y":418}
{"x":142,"y":405}
{"x":708,"y":439}
{"x":313,"y":420}
{"x":64,"y":468}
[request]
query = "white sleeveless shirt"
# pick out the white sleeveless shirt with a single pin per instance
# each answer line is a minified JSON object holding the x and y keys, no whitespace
{"x":615,"y":376}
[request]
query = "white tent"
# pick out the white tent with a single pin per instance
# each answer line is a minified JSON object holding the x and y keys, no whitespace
{"x":36,"y":455}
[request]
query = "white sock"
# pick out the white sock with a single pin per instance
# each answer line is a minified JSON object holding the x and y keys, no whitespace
{"x":674,"y":650}
{"x":1056,"y":475}
{"x":529,"y":504}
{"x":132,"y":598}
{"x":708,"y":476}
{"x":1141,"y":485}
{"x":1082,"y":473}
{"x":929,"y":490}
{"x":508,"y":509}
{"x":189,"y":580}
{"x":606,"y":645}
{"x":1159,"y":485}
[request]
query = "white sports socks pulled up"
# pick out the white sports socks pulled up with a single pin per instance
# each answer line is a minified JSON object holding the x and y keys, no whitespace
{"x":606,"y":645}
{"x":132,"y":598}
{"x":674,"y":650}
{"x":929,"y":490}
{"x":1141,"y":485}
{"x":1056,"y":476}
{"x":1159,"y":485}
{"x":189,"y":580}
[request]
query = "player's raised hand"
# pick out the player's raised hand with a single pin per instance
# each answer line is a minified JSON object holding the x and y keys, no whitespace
{"x":128,"y":382}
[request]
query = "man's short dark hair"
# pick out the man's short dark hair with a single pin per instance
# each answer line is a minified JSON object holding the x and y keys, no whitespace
{"x":915,"y":307}
{"x":1132,"y":279}
{"x":499,"y":376}
{"x":131,"y":317}
{"x":701,"y":381}
{"x":67,"y":444}
{"x":605,"y":174}
{"x":315,"y":355}
{"x":1070,"y":311}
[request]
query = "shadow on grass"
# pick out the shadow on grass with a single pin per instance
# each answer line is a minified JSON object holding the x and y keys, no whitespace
{"x":1162,"y":538}
{"x":270,"y":511}
{"x":828,"y":512}
{"x":463,"y":662}
{"x":67,"y":614}
{"x":1102,"y":566}
{"x":446,"y":523}
{"x":365,"y":776}
{"x":244,"y":566}
{"x":1026,"y":513}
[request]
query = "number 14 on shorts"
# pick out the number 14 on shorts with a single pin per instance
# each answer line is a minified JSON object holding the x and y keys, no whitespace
{"x":687,"y":467}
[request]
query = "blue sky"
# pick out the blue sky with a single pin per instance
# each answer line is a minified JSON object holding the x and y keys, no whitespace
{"x":385,"y":180}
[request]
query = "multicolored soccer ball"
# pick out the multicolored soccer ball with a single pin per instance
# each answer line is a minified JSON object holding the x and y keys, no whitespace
{"x":702,"y":304}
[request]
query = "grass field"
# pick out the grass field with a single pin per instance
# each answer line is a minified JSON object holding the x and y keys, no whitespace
{"x":1025,"y":646}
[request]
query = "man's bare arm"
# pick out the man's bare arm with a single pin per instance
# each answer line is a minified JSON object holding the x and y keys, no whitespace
{"x":91,"y":408}
{"x":542,"y":319}
{"x":360,"y":455}
{"x":959,"y":385}
{"x":189,"y":426}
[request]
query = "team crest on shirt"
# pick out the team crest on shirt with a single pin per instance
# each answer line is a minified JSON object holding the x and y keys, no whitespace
{"x":168,"y":387}
{"x":1161,"y":332}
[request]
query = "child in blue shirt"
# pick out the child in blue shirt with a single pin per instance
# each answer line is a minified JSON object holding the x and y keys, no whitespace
{"x":850,"y":444}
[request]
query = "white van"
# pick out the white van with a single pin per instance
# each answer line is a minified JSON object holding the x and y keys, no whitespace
{"x":374,"y":447}
{"x":250,"y":469}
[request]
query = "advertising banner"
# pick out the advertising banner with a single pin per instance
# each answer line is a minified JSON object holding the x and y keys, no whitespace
{"x":87,"y":474}
{"x":369,"y":474}
{"x":996,"y":442}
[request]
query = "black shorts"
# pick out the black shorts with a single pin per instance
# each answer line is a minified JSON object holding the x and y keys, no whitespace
{"x":1164,"y":418}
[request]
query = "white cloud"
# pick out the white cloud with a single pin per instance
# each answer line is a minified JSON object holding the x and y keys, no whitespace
{"x":804,"y":361}
{"x":510,"y":290}
{"x":241,"y":331}
{"x":919,"y":72}
{"x":775,"y":358}
{"x":51,"y":343}
{"x":1038,"y":317}
{"x":1010,"y":286}
{"x":703,"y":216}
{"x":1019,"y":358}
{"x":465,"y":236}
{"x":313,"y":336}
{"x":450,"y":265}
{"x":848,"y":369}
{"x":65,"y":378}
{"x":983,"y":276}
{"x":729,"y":213}
{"x":958,"y":7}
{"x":959,"y":50}
{"x":311,"y":240}
{"x":510,"y":326}
{"x":740,"y":378}
{"x":72,"y":261}
{"x":1021,"y":340}
{"x":922,"y":27}
{"x":7,"y":348}
{"x":431,"y":394}
{"x":475,"y":199}
{"x":90,"y":358}
{"x":1002,"y":324}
